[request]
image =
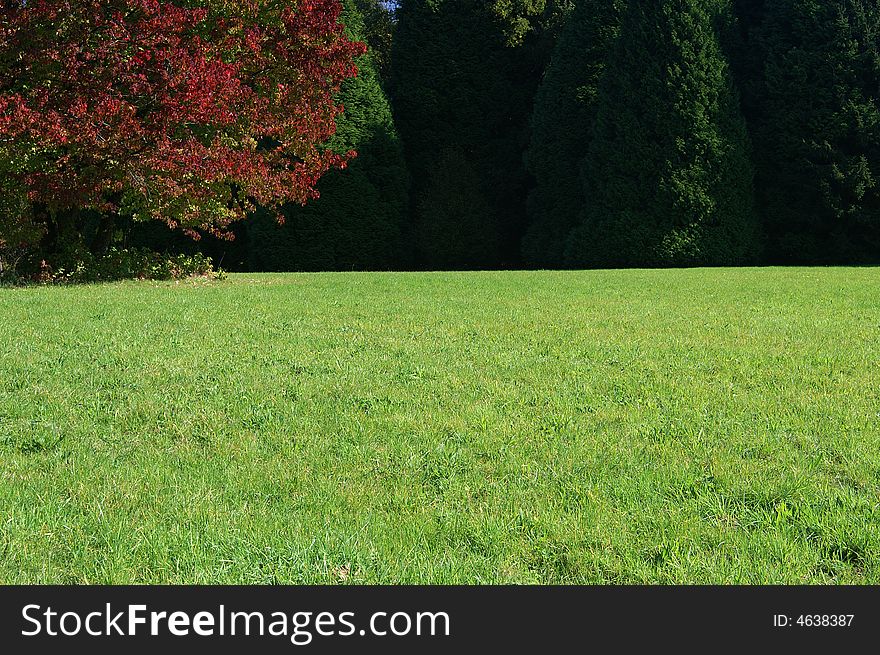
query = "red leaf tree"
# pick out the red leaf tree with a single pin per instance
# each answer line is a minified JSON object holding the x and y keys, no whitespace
{"x":190,"y":112}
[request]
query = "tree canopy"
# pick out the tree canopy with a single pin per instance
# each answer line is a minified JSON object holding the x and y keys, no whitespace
{"x":187,"y":112}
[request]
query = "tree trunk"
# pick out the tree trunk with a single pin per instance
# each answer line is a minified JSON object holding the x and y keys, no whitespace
{"x":104,"y":235}
{"x":42,"y":215}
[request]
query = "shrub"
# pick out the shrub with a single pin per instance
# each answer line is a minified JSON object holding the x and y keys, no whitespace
{"x":81,"y":266}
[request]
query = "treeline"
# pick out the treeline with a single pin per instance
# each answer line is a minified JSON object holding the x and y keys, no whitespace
{"x":594,"y":133}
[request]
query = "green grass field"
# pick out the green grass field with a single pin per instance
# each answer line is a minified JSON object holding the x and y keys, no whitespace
{"x":711,"y":426}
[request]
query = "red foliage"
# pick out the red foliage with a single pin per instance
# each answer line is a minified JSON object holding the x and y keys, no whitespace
{"x":185,"y":111}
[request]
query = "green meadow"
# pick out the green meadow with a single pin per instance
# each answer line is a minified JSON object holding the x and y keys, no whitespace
{"x":679,"y":426}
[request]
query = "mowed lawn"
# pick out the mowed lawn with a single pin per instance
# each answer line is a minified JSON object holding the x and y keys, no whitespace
{"x":697,"y":426}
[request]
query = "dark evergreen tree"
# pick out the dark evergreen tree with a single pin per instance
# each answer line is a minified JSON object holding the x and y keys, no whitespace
{"x":462,"y":93}
{"x":668,"y":177}
{"x":454,"y":217}
{"x":817,"y":130}
{"x":562,"y":123}
{"x":356,"y":223}
{"x":378,"y":32}
{"x":519,"y":18}
{"x":738,"y":35}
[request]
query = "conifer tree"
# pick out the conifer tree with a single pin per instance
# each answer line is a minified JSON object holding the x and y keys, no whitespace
{"x":668,"y":179}
{"x":356,"y":222}
{"x":463,"y":93}
{"x":817,"y":130}
{"x":378,"y":32}
{"x":562,"y":124}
